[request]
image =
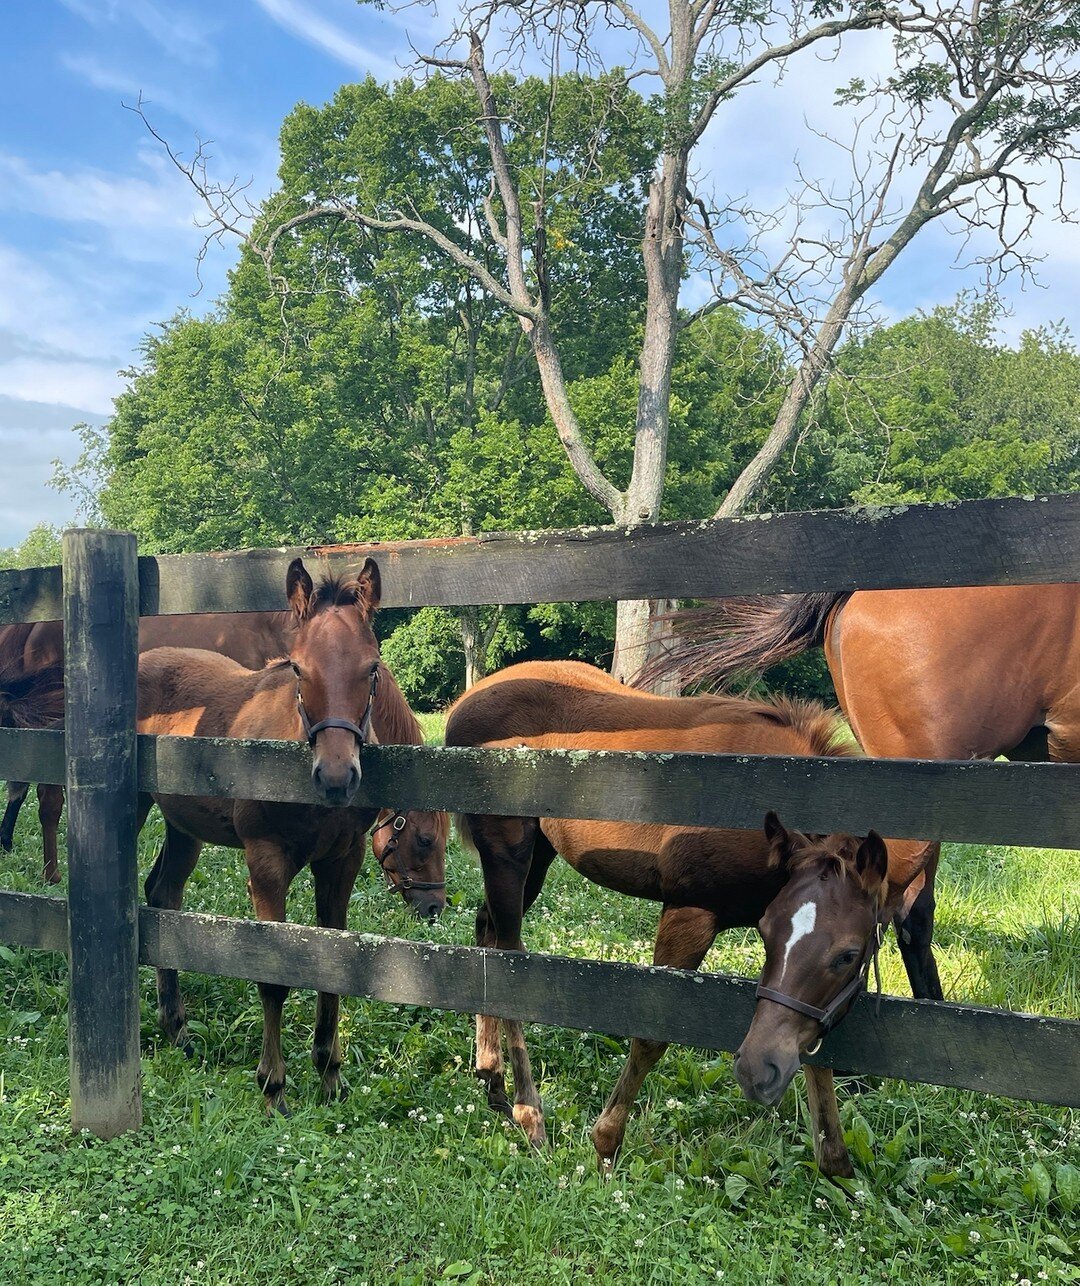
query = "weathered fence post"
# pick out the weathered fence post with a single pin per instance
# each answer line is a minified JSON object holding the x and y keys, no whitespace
{"x":101,"y":629}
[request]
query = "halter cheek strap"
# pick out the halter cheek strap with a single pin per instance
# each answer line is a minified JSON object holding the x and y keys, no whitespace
{"x":361,"y":731}
{"x":405,"y":881}
{"x":827,"y":1017}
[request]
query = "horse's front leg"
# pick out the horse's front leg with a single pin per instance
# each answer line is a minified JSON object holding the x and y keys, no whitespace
{"x":334,"y":881}
{"x":506,"y":845}
{"x":683,"y":939}
{"x":270,"y":872}
{"x":830,"y":1150}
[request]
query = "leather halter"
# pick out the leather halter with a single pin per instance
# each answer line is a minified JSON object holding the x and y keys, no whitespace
{"x":361,"y":731}
{"x":827,"y":1017}
{"x":405,"y":881}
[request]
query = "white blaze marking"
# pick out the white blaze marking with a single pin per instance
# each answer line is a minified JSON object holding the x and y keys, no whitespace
{"x":802,"y":923}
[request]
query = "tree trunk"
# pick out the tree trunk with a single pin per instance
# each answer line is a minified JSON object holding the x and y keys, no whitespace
{"x":475,"y":641}
{"x":640,"y":637}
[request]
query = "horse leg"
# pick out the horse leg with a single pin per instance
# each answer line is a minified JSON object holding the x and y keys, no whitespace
{"x":50,"y":806}
{"x":683,"y":939}
{"x":830,"y":1150}
{"x":164,"y":889}
{"x":506,"y":846}
{"x":915,"y":931}
{"x":334,"y":882}
{"x":270,"y":874}
{"x":16,"y":793}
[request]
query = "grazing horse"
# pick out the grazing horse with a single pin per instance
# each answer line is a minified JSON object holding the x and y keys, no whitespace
{"x":333,"y":692}
{"x":410,"y":849}
{"x":968,"y":673}
{"x":821,"y":897}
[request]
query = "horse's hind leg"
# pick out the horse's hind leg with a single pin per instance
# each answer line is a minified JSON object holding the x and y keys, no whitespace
{"x":915,"y":931}
{"x":334,"y":882}
{"x":50,"y":806}
{"x":164,"y":889}
{"x":683,"y":939}
{"x":506,"y":846}
{"x":16,"y":793}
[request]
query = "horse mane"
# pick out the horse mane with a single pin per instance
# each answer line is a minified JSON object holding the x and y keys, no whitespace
{"x":342,"y":589}
{"x":823,"y":729}
{"x":395,"y":723}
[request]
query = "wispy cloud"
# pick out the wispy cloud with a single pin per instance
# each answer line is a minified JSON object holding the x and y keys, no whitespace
{"x":319,"y":31}
{"x":177,"y":31}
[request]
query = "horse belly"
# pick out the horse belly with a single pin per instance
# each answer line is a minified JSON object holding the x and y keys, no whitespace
{"x":209,"y":820}
{"x":618,"y":855}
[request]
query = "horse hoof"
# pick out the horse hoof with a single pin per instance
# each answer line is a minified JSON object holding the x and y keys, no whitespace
{"x":51,"y":877}
{"x":277,"y":1106}
{"x":334,"y":1092}
{"x":531,"y":1120}
{"x":6,"y":843}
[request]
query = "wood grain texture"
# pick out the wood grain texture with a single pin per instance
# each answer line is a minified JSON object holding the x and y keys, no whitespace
{"x":27,"y":754}
{"x":990,"y":1050}
{"x":101,"y":656}
{"x":969,"y":802}
{"x":973,"y":542}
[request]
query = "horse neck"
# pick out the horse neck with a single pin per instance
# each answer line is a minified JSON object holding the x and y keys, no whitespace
{"x":395,"y":723}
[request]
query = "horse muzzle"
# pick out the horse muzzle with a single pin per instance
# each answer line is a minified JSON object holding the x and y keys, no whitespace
{"x":336,"y":785}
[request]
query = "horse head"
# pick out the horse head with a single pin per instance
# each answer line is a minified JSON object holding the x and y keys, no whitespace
{"x":821,"y":933}
{"x":411,"y":850}
{"x":335,"y":657}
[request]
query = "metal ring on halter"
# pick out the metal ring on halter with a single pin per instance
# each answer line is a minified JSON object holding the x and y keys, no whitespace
{"x":809,"y":1053}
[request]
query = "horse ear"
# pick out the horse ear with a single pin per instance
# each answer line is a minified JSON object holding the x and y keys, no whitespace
{"x":370,"y":582}
{"x":299,"y":588}
{"x":779,"y":839}
{"x":872,"y":861}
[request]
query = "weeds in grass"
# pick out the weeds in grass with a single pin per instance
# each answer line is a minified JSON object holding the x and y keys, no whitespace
{"x":412,"y":1181}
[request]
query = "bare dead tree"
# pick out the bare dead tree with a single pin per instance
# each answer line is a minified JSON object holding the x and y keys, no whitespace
{"x":980,"y":94}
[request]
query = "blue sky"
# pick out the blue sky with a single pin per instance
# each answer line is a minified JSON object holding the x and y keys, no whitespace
{"x":97,"y":232}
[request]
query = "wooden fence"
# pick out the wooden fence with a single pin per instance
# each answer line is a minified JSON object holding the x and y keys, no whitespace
{"x":103,"y":587}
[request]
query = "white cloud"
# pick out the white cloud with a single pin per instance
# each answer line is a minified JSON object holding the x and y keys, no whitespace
{"x":317,"y":30}
{"x":91,"y":385}
{"x":181,"y":34}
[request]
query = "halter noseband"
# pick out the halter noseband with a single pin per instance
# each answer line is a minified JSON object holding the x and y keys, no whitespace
{"x":405,"y":882}
{"x":827,"y":1016}
{"x":361,"y":731}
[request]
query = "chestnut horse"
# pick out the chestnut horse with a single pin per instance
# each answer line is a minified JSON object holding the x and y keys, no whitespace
{"x":32,"y":660}
{"x":820,"y":897}
{"x":969,"y":673}
{"x":333,"y":692}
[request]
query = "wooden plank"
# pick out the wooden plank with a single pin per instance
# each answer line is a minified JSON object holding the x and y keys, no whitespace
{"x":996,"y":1052}
{"x":31,"y":755}
{"x":968,"y":802}
{"x":101,"y":656}
{"x":991,"y":1050}
{"x":33,"y":920}
{"x":974,"y":542}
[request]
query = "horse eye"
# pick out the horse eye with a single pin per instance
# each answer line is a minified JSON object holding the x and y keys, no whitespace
{"x":845,"y":958}
{"x":295,"y":668}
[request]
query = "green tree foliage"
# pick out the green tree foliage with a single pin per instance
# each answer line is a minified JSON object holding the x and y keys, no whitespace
{"x":40,"y":548}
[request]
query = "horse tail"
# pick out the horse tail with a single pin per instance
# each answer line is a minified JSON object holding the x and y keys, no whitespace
{"x":33,"y":701}
{"x":746,"y":635}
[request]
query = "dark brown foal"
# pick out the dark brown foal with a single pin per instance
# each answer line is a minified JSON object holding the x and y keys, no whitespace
{"x":705,"y":879}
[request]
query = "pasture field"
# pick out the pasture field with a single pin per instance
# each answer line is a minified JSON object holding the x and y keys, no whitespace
{"x":413,"y":1181}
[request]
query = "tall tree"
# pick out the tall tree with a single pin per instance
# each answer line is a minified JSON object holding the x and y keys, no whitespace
{"x":978,"y":93}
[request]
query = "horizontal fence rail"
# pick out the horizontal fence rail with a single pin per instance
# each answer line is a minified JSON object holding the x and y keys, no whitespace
{"x":973,"y":542}
{"x":994,"y":1051}
{"x":969,"y":801}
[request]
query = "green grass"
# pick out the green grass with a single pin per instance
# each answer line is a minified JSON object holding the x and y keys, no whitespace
{"x":412,"y":1181}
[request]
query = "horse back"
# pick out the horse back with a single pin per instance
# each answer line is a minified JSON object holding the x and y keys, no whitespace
{"x":190,"y":692}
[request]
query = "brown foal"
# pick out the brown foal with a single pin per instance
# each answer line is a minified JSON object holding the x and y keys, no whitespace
{"x":333,"y":692}
{"x":706,"y":880}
